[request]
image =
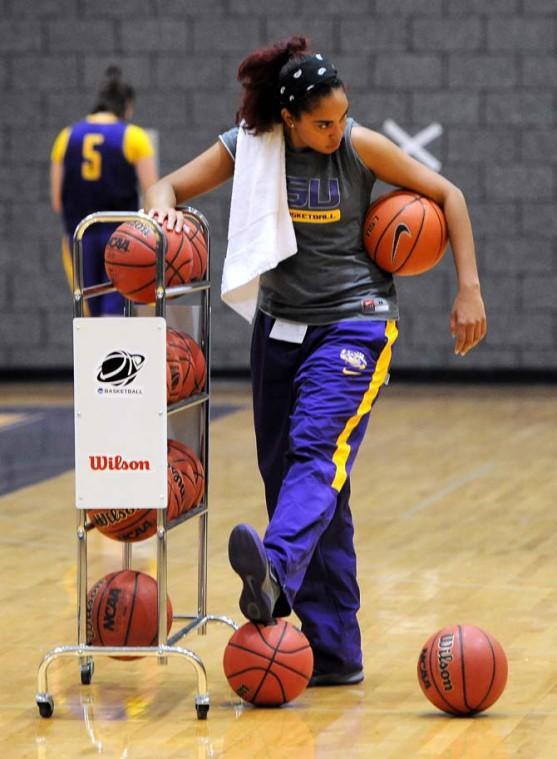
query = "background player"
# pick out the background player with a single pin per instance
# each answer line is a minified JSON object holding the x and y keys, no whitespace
{"x":97,"y":165}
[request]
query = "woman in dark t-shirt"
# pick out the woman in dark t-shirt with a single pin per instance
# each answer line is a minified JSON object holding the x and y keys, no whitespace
{"x":322,"y":339}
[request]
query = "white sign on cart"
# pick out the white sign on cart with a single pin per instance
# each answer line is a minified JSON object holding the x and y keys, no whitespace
{"x":120,"y":412}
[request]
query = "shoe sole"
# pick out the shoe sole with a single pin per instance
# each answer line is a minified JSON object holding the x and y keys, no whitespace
{"x":248,"y":559}
{"x":333,"y":679}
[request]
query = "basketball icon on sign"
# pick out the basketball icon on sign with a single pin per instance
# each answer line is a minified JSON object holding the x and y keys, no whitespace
{"x":120,"y":368}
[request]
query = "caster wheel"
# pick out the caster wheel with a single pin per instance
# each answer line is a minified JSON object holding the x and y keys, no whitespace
{"x":46,"y":708}
{"x":87,"y":673}
{"x":202,"y":710}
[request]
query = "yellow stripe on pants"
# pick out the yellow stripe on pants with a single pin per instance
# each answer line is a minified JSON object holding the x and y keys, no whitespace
{"x":342,"y":451}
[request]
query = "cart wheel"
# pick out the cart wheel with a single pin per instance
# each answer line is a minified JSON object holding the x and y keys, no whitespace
{"x":46,"y":707}
{"x":202,"y":710}
{"x":87,"y":672}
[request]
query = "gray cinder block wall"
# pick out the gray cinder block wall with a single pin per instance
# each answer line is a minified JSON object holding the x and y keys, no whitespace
{"x":486,"y":70}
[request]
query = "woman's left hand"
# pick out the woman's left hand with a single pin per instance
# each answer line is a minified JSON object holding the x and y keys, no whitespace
{"x":468,"y":320}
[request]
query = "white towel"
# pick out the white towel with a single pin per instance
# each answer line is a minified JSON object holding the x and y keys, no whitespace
{"x":260,"y":229}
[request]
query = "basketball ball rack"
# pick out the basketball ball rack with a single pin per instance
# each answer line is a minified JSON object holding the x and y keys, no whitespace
{"x":166,"y":646}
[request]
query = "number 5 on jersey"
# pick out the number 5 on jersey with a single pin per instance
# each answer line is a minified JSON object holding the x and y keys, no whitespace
{"x":91,"y":166}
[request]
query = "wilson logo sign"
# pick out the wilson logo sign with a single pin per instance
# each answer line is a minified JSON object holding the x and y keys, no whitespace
{"x":117,"y":463}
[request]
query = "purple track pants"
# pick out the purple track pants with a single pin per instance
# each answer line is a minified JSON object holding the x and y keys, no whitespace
{"x":311,"y":407}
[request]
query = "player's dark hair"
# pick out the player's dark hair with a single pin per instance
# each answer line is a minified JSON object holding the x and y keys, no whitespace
{"x":259,"y":76}
{"x":114,"y":94}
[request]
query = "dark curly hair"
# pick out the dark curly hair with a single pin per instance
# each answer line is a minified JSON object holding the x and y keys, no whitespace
{"x":259,"y":76}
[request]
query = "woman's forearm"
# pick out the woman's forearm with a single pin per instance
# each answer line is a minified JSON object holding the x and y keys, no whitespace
{"x":462,"y":239}
{"x":160,"y":195}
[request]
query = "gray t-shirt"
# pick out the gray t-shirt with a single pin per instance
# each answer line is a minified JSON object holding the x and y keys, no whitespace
{"x":331,"y":277}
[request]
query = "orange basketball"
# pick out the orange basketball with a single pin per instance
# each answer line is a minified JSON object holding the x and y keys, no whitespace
{"x":179,"y":452}
{"x":462,"y":669}
{"x":130,"y":260}
{"x":122,"y":611}
{"x":125,"y":525}
{"x":176,"y":341}
{"x":174,"y":374}
{"x":405,"y":233}
{"x":183,"y":483}
{"x":186,"y":461}
{"x":268,"y":665}
{"x":134,"y":525}
{"x":198,"y":242}
{"x":199,"y":363}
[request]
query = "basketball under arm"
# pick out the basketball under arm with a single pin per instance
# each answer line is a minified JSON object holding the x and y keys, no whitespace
{"x":394,"y":166}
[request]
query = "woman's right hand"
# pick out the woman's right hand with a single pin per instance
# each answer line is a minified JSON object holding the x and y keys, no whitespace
{"x":174,"y":218}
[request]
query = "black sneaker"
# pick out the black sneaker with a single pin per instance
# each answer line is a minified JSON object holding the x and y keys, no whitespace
{"x":334,"y":678}
{"x":248,"y":558}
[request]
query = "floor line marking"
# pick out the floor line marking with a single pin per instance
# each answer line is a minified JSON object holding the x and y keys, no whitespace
{"x":450,"y":487}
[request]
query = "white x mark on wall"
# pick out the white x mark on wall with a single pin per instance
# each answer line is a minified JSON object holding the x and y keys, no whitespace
{"x":414,"y":146}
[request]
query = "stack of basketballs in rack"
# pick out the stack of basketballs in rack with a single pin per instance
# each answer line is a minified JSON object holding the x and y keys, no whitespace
{"x":122,"y":605}
{"x":131,"y":253}
{"x":130,"y":262}
{"x":186,"y":485}
{"x":186,"y":368}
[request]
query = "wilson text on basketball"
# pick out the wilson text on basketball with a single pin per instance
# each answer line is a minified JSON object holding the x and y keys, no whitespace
{"x":445,"y":657}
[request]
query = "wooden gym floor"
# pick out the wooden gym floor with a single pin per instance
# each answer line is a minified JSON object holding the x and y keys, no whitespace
{"x":454,"y":503}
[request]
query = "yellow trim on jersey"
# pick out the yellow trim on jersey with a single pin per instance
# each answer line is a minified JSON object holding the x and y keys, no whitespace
{"x":61,"y":142}
{"x":315,"y":217}
{"x":102,"y":117}
{"x":340,"y":456}
{"x":137,"y":144}
{"x":67,"y":263}
{"x":59,"y":147}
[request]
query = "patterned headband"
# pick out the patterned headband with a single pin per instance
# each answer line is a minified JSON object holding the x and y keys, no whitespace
{"x":311,"y":71}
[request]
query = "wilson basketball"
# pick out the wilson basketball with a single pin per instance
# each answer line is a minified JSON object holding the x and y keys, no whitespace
{"x":134,"y":525}
{"x":181,"y":496}
{"x":185,"y":461}
{"x":462,"y":669}
{"x":130,"y":260}
{"x":175,"y":340}
{"x":122,"y":611}
{"x":125,"y":525}
{"x":180,"y":455}
{"x":199,"y":363}
{"x":268,"y":665}
{"x":198,"y":242}
{"x":405,"y":233}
